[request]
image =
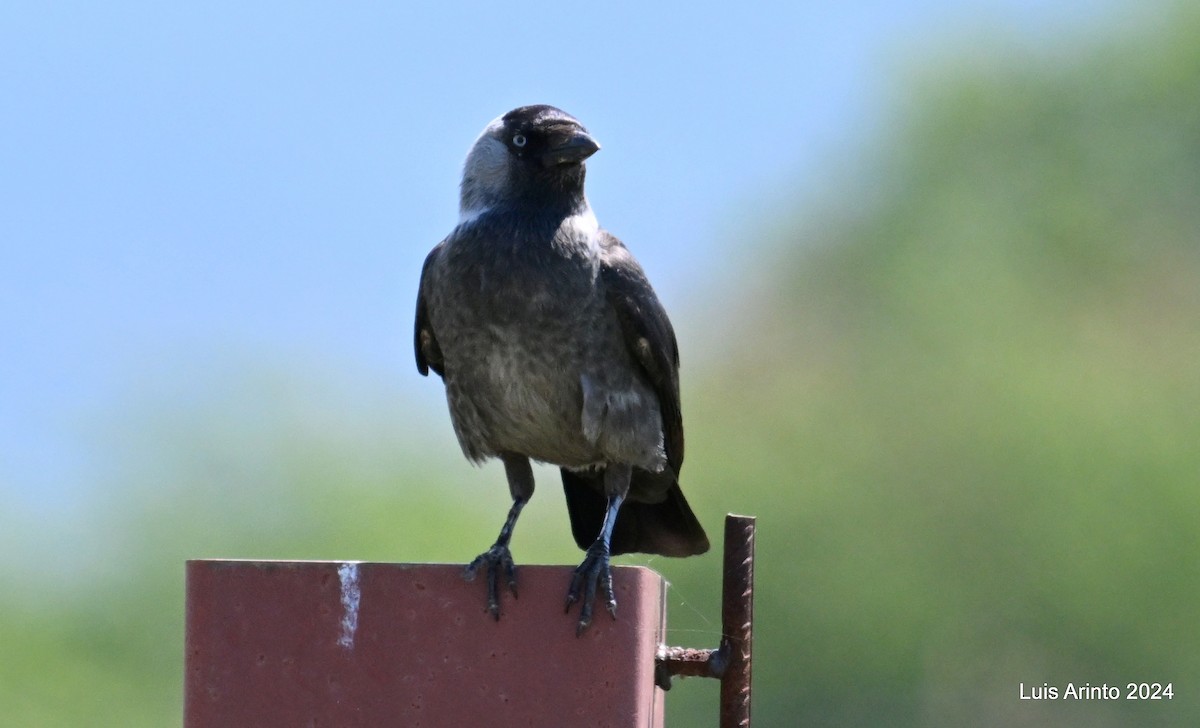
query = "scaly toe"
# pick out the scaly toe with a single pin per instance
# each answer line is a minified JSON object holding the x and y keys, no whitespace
{"x":594,"y":571}
{"x":496,"y":559}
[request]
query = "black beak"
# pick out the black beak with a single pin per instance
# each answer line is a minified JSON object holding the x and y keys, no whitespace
{"x":571,"y":147}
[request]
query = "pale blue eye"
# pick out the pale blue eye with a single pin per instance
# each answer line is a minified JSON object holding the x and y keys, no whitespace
{"x":519,"y":140}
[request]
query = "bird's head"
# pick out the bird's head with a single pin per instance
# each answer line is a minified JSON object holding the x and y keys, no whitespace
{"x":533,"y":154}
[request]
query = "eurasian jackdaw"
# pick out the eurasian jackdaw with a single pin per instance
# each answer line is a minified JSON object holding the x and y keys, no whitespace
{"x":553,"y":346}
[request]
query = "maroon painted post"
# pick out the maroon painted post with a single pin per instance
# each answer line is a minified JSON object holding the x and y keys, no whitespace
{"x":366,"y":644}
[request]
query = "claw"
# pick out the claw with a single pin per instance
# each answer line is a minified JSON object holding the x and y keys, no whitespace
{"x":594,"y":570}
{"x":572,"y":591}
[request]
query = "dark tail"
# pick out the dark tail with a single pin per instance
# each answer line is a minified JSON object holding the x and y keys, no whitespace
{"x":668,"y":528}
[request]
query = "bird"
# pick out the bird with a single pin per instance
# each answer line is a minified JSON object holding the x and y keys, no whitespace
{"x":553,"y":347}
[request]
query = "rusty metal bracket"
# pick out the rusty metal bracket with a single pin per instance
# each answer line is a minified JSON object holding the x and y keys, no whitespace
{"x":730,"y":662}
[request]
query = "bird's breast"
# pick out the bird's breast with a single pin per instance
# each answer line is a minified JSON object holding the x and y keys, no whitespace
{"x":522,"y":324}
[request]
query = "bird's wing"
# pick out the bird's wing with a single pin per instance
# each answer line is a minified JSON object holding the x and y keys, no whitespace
{"x":648,"y":336}
{"x":425,"y":345}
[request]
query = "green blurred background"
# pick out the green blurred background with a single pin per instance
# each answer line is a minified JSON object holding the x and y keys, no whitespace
{"x":955,"y":378}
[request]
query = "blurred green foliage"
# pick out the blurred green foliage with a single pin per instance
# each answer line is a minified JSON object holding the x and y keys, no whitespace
{"x":967,"y":410}
{"x":963,"y":399}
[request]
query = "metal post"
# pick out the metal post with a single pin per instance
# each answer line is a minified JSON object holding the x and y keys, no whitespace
{"x":730,"y":663}
{"x":737,"y":621}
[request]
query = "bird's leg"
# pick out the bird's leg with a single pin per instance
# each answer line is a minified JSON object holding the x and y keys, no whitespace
{"x":595,"y":567}
{"x":499,"y":558}
{"x":496,"y":558}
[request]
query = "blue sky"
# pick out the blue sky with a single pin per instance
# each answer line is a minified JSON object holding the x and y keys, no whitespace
{"x":184,"y":186}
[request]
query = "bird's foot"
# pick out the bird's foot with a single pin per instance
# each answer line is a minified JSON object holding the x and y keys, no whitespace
{"x":595,"y":568}
{"x":496,"y":559}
